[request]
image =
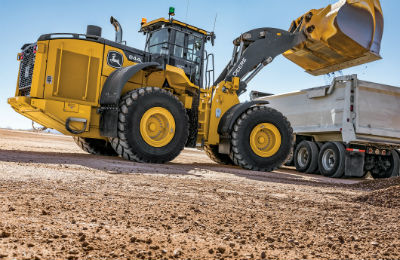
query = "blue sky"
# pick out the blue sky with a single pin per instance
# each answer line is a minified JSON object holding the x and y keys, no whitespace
{"x":24,"y":21}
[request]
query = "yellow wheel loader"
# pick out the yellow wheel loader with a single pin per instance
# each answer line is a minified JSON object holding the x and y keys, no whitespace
{"x":146,"y":106}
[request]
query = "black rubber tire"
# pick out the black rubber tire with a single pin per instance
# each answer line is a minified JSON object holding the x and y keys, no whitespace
{"x":241,"y":152}
{"x":338,"y":168}
{"x":130,"y":143}
{"x":95,"y":146}
{"x":220,"y":158}
{"x":290,"y":160}
{"x":396,"y":164}
{"x":398,"y":172}
{"x":393,"y":170}
{"x":311,"y":165}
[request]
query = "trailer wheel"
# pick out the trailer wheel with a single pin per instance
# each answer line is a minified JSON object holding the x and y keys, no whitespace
{"x":152,"y":126}
{"x":331,"y":160}
{"x":212,"y":152}
{"x":95,"y":146}
{"x":290,"y":160}
{"x":261,"y":139}
{"x":306,"y":157}
{"x":398,"y":154}
{"x":389,"y":167}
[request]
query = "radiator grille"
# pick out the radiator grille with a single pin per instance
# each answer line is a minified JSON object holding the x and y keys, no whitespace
{"x":26,"y":70}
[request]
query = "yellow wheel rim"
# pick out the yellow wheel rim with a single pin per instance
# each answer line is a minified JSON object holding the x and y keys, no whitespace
{"x":157,"y":126}
{"x":265,"y":140}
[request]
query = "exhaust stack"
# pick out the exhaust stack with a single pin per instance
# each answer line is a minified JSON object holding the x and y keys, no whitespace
{"x":118,"y":29}
{"x":339,"y":36}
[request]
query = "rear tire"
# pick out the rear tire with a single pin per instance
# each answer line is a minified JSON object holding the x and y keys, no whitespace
{"x":331,"y":160}
{"x":306,"y":157}
{"x":261,"y":139}
{"x":213,"y":154}
{"x":392,"y":171}
{"x":152,"y":126}
{"x":95,"y":146}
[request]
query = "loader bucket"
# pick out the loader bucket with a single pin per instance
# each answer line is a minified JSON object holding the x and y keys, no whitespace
{"x":339,"y":36}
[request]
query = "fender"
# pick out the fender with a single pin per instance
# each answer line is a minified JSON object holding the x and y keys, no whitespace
{"x":228,"y":119}
{"x":114,"y":84}
{"x":111,"y":94}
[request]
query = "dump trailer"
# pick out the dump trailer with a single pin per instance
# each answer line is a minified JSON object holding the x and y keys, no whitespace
{"x":347,"y":128}
{"x":147,"y":105}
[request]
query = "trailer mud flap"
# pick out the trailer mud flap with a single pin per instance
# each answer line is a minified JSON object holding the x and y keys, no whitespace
{"x":354,"y":164}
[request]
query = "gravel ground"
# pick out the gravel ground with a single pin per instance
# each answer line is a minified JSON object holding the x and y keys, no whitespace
{"x":60,"y":203}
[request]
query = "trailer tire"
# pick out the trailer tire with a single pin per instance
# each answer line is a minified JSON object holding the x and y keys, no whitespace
{"x":213,"y":154}
{"x":393,"y":170}
{"x":331,"y":160}
{"x":95,"y":146}
{"x":306,"y":157}
{"x":261,"y":139}
{"x":290,"y":160}
{"x":398,"y":172}
{"x":396,"y":166}
{"x":152,"y":126}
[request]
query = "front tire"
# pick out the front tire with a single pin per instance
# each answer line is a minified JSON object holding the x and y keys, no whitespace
{"x":152,"y":127}
{"x":261,"y":139}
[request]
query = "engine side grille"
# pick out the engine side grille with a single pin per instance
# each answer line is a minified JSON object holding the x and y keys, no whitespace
{"x":26,"y":70}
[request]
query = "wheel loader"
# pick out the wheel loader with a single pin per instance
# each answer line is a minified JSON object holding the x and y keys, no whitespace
{"x":147,"y":105}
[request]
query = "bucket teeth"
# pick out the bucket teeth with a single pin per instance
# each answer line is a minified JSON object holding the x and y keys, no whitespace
{"x":339,"y":36}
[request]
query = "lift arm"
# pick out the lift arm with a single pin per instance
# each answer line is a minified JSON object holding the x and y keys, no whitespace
{"x":339,"y":36}
{"x":254,"y":50}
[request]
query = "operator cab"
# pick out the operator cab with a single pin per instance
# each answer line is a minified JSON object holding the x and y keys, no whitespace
{"x":181,"y":44}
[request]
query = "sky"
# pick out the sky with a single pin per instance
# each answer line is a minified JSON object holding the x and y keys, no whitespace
{"x":24,"y":21}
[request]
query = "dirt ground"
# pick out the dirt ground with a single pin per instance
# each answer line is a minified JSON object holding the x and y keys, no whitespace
{"x":59,"y":203}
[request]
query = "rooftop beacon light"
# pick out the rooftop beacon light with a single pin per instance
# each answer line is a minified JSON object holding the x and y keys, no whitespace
{"x":171,"y":12}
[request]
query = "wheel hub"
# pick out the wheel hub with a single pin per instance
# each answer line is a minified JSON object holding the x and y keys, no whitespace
{"x":157,"y":126}
{"x":328,"y":159}
{"x":302,"y":158}
{"x":265,"y":139}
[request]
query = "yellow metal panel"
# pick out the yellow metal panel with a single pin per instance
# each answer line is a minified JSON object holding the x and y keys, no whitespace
{"x":73,"y":71}
{"x":155,"y":79}
{"x":177,"y":78}
{"x":71,"y":107}
{"x":186,"y":100}
{"x":53,"y":114}
{"x":222,"y":101}
{"x":339,"y":36}
{"x":107,"y":69}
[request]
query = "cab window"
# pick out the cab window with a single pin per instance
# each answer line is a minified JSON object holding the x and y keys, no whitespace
{"x":179,"y":44}
{"x":158,"y":42}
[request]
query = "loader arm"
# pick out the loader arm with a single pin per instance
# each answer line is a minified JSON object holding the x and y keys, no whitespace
{"x":254,"y":50}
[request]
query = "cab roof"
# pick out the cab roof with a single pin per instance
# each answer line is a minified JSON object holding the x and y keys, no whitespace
{"x":146,"y":27}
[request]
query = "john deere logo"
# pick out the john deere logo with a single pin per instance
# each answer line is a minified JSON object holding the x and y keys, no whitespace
{"x":115,"y":59}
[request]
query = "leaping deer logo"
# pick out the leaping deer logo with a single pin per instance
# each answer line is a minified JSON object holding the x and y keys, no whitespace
{"x":115,"y":59}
